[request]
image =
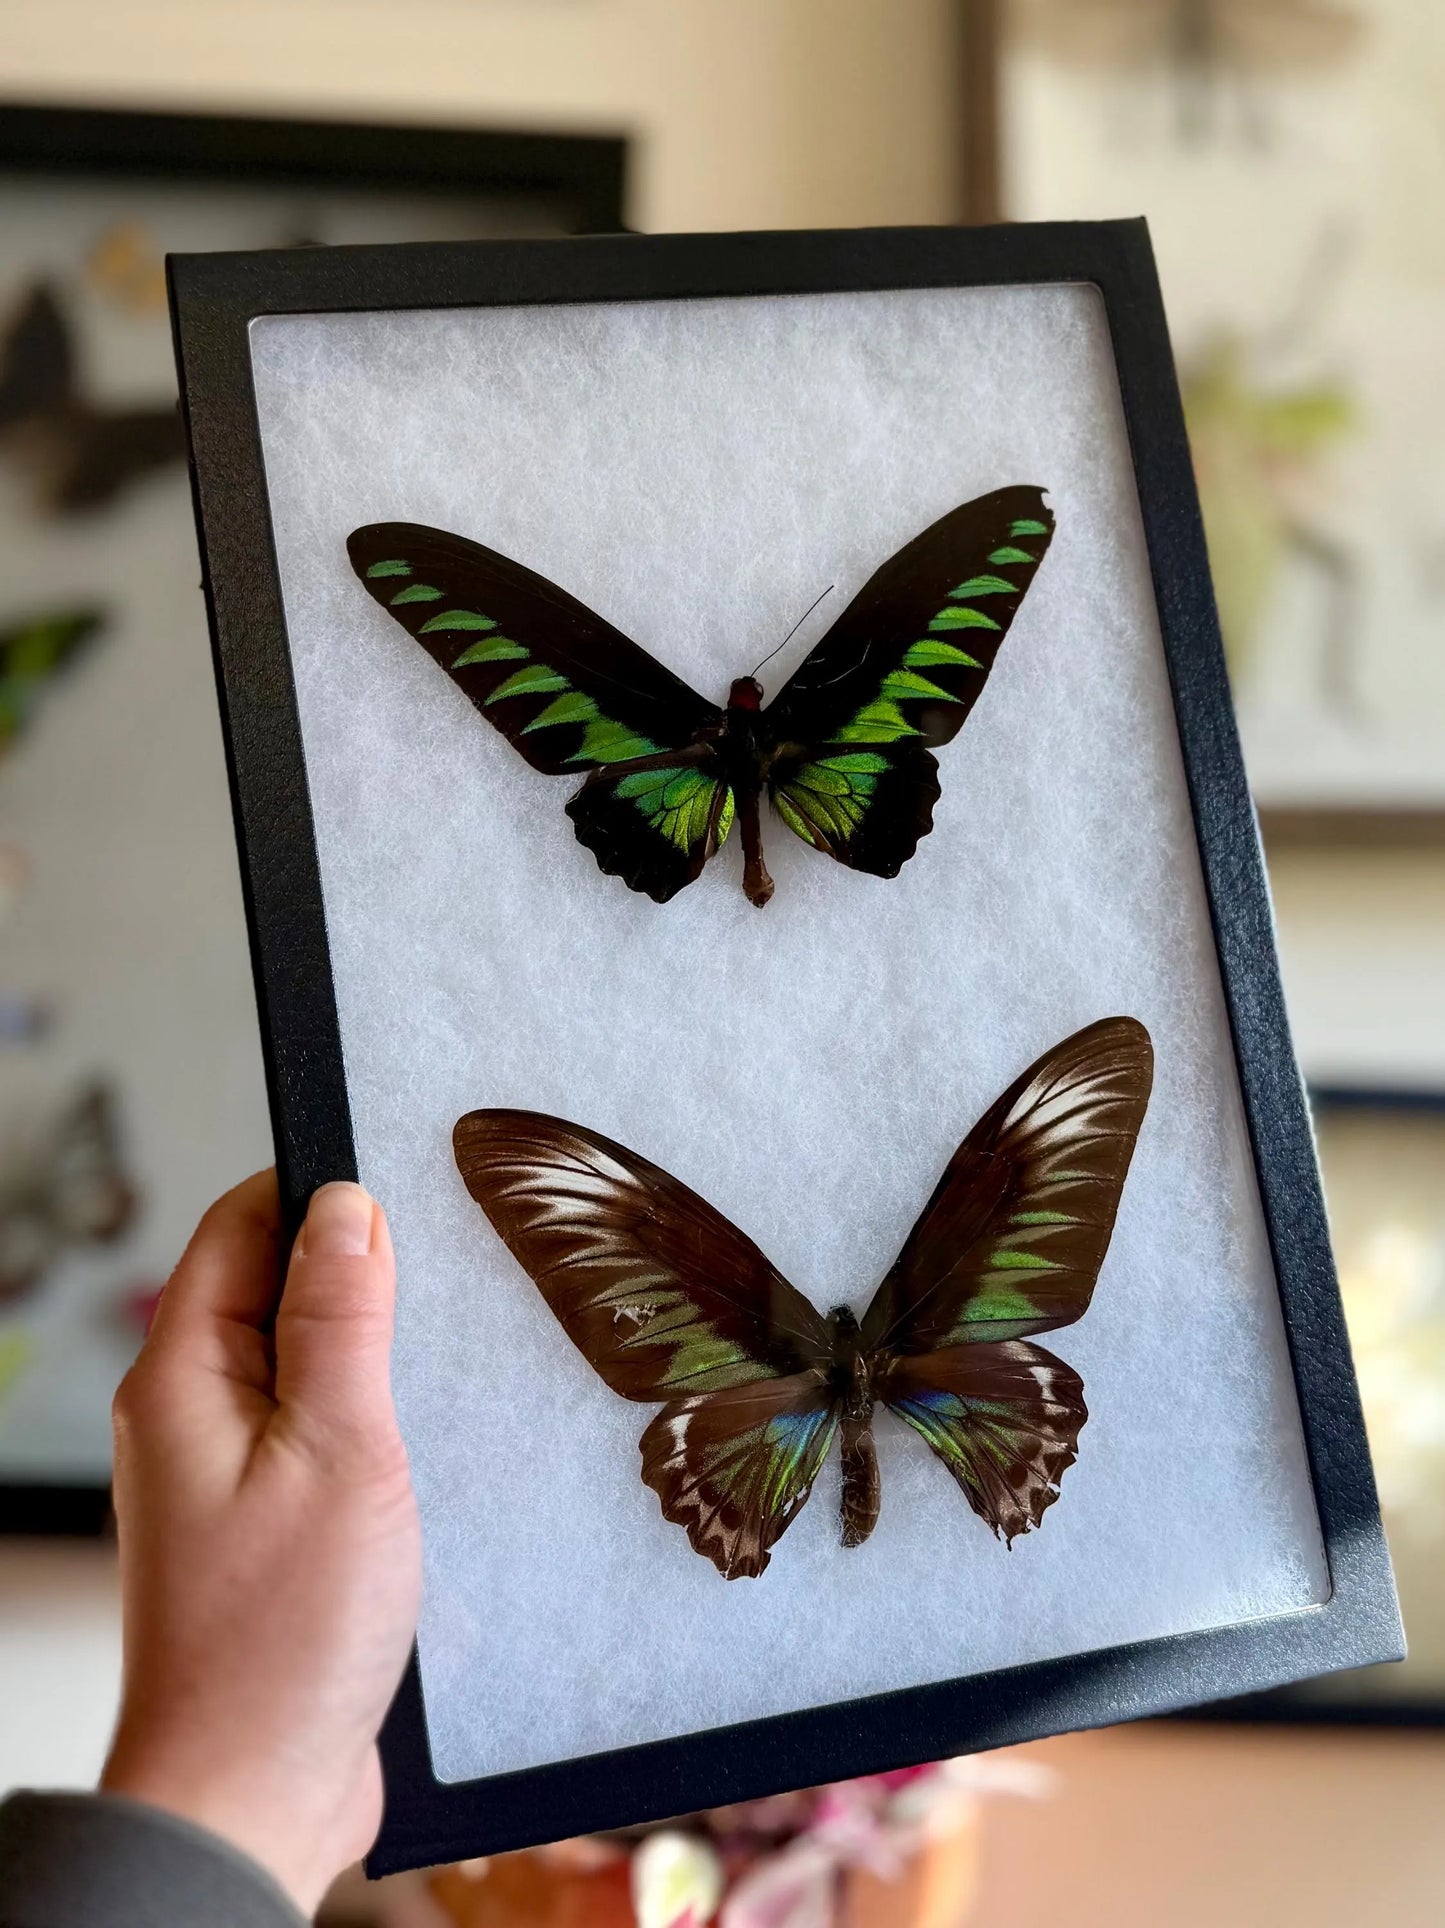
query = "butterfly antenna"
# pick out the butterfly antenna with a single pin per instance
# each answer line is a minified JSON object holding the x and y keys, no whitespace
{"x":796,"y":627}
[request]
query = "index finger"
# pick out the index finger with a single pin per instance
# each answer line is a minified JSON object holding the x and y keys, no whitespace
{"x":230,"y":1273}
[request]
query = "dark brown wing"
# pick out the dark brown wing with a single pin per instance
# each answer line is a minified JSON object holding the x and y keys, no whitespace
{"x":663,"y":1295}
{"x":1012,"y":1240}
{"x":1004,"y":1419}
{"x":735,"y":1467}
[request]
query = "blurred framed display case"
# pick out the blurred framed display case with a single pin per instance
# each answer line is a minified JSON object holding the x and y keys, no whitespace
{"x":1287,"y":156}
{"x":1383,"y":1158}
{"x":131,"y":1088}
{"x":708,"y":430}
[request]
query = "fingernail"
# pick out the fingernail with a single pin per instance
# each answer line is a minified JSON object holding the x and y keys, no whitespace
{"x":338,"y":1222}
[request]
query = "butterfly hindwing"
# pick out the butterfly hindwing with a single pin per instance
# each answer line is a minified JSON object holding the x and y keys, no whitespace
{"x":735,"y":1467}
{"x":653,"y":827}
{"x":896,"y":676}
{"x":1012,"y":1239}
{"x":866,"y":806}
{"x":661,"y":1293}
{"x":568,"y":691}
{"x":1004,"y":1419}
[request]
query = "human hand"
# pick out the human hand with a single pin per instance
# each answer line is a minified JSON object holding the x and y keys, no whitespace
{"x":269,"y":1546}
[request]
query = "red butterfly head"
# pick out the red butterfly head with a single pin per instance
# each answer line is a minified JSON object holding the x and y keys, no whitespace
{"x":745,"y":694}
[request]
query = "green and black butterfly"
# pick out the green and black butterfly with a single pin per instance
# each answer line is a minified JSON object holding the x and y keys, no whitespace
{"x":843,"y":751}
{"x":672,"y":1305}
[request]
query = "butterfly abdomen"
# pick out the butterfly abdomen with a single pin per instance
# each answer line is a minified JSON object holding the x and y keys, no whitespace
{"x":861,"y":1488}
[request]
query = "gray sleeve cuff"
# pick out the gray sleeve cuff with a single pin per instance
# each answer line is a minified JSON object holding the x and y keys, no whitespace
{"x":102,"y":1861}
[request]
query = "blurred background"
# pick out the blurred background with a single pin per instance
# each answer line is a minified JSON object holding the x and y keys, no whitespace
{"x":1290,"y":156}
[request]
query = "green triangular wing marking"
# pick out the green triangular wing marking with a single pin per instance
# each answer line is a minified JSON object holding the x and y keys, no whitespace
{"x":528,"y":682}
{"x":491,"y":649}
{"x":906,"y":685}
{"x":877,"y":722}
{"x":450,"y":619}
{"x":985,"y":586}
{"x":573,"y":707}
{"x":388,"y":566}
{"x":960,"y":616}
{"x":415,"y":593}
{"x":604,"y":741}
{"x":932,"y":652}
{"x":1005,"y":555}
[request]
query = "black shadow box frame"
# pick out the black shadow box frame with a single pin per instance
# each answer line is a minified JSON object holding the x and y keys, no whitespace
{"x":215,"y":298}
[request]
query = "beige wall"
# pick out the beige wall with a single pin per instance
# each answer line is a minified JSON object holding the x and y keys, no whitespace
{"x":748,"y":113}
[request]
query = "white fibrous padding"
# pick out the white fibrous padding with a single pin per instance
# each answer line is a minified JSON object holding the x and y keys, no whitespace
{"x":697,"y":472}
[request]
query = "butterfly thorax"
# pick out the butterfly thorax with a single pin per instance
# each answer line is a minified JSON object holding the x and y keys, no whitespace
{"x":746,"y":739}
{"x":850,"y":1374}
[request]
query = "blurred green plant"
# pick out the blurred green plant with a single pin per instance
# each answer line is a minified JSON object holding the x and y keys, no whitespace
{"x":1258,"y":451}
{"x":32,"y":654}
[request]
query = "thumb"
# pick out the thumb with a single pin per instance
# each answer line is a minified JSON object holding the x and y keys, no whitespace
{"x":333,"y":1327}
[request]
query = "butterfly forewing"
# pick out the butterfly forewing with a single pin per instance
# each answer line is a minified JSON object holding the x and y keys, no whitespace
{"x":734,"y":1468}
{"x":567,"y":690}
{"x":897,"y":673}
{"x":1012,"y":1240}
{"x":663,"y":1295}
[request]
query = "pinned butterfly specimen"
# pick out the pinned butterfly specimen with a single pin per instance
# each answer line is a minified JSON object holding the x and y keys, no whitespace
{"x":79,"y":454}
{"x":843,"y":752}
{"x":32,"y":654}
{"x":63,"y":1186}
{"x":671,"y":1304}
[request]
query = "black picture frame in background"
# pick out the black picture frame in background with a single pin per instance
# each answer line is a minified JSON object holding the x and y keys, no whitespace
{"x":582,"y":178}
{"x":575,"y":183}
{"x":214,"y":299}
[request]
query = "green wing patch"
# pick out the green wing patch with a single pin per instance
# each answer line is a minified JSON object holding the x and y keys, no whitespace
{"x":680,"y":804}
{"x":653,"y":828}
{"x":824,"y":801}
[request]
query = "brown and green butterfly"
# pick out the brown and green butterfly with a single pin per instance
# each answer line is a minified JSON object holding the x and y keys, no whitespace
{"x":843,"y":752}
{"x":672,"y":1305}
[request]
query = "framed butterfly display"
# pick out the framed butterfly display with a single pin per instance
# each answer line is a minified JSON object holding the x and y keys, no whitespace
{"x":898,"y":1323}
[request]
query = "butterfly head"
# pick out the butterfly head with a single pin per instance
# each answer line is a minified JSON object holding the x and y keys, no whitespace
{"x":745,"y":694}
